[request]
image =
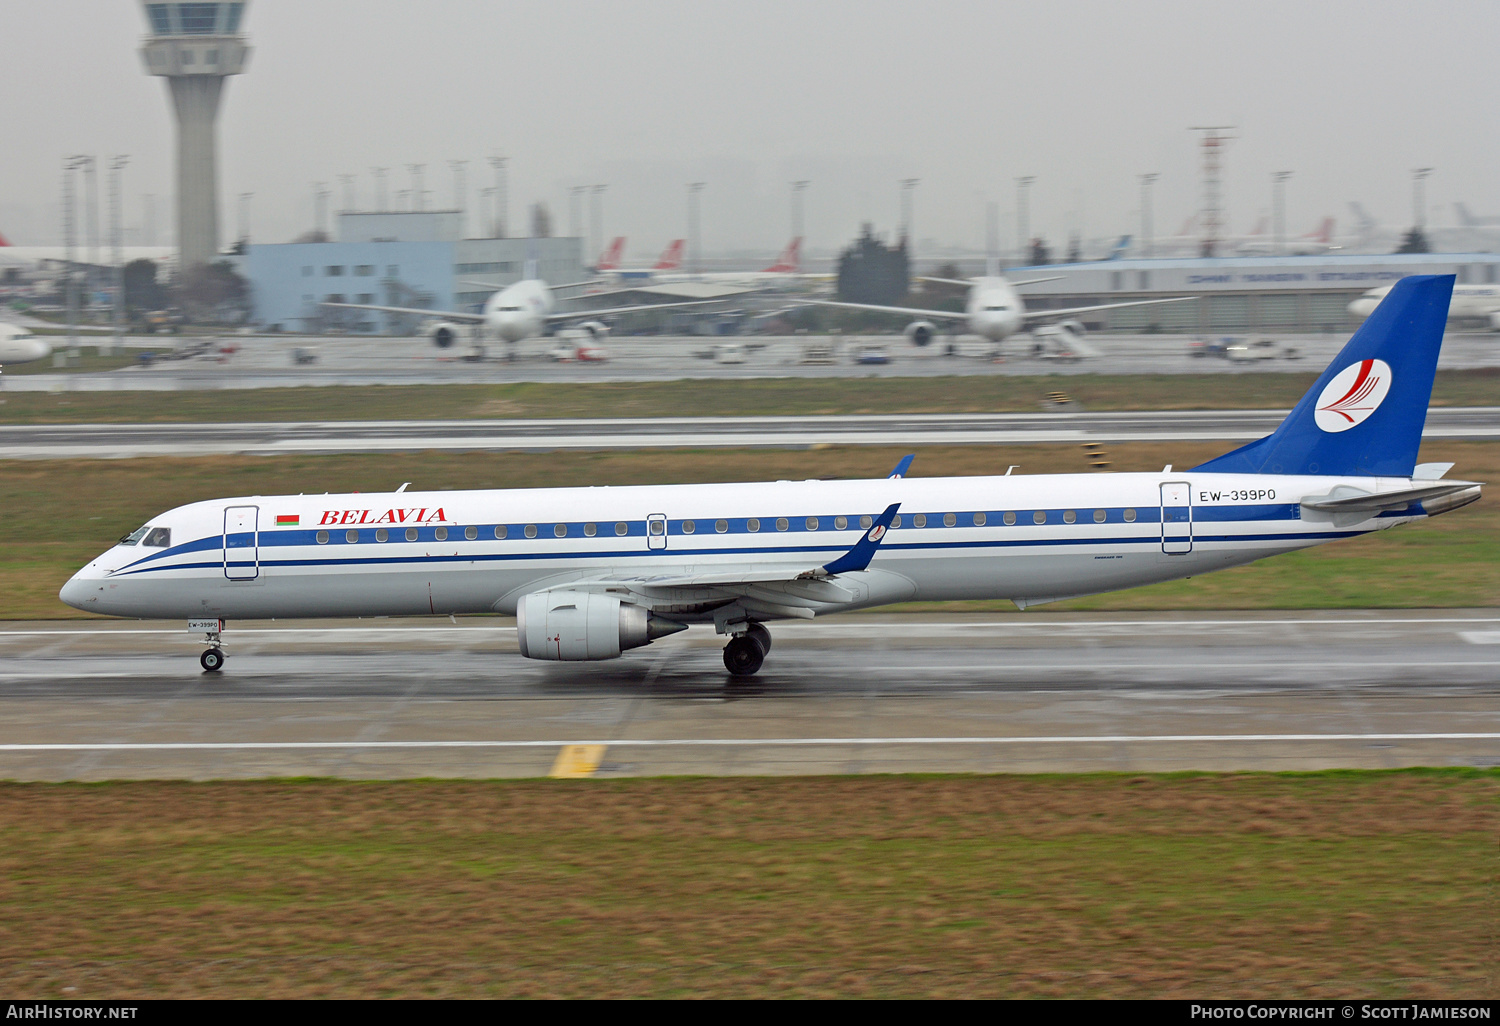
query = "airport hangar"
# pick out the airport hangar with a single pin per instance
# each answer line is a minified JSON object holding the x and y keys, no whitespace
{"x":1274,"y":294}
{"x":403,"y":258}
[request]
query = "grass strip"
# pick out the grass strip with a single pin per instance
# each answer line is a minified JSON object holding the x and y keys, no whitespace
{"x":59,"y":514}
{"x":1349,"y":884}
{"x":711,"y":398}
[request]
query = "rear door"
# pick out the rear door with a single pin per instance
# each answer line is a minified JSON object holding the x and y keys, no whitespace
{"x":656,"y":531}
{"x":1176,"y":518}
{"x":242,"y":542}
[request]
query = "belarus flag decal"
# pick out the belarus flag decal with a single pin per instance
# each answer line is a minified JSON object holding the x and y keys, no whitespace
{"x":288,"y":520}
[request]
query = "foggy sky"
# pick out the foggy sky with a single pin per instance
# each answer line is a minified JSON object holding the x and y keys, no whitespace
{"x":850,"y":94}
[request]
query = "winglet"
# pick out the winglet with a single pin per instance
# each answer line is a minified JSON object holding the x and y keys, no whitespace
{"x":902,"y":467}
{"x":859,"y":557}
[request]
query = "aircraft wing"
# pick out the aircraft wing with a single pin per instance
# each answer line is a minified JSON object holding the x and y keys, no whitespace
{"x":640,"y":308}
{"x":910,"y":311}
{"x":1044,"y":315}
{"x":450,"y":315}
{"x":792,"y":590}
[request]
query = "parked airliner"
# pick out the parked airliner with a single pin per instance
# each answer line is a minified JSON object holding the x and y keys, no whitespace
{"x":591,"y":572}
{"x":21,"y":345}
{"x":1471,"y":303}
{"x":993,"y":310}
{"x":513,"y":313}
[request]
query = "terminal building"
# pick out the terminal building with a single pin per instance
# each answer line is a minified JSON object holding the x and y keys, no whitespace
{"x":1273,"y":294}
{"x":410,"y":259}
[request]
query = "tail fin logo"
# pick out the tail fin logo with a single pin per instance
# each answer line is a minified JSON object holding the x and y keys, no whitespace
{"x":1354,"y":393}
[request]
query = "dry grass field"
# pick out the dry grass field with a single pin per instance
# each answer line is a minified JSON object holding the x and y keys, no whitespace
{"x":1327,"y":885}
{"x":710,"y":398}
{"x":60,"y":514}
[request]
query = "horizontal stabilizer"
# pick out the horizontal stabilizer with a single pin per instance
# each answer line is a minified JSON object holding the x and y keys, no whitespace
{"x":1351,"y":500}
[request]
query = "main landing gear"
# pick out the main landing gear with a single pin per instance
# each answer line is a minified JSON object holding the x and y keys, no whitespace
{"x":212,"y":659}
{"x":746,"y":652}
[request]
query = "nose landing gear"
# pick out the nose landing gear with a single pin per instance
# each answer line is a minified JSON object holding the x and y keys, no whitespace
{"x":212,"y":659}
{"x":746,"y":652}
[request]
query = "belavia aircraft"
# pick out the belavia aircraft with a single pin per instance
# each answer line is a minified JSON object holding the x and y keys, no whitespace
{"x":591,"y":572}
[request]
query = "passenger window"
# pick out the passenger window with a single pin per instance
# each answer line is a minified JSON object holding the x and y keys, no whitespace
{"x":1070,"y":517}
{"x":622,"y":529}
{"x":812,"y":523}
{"x":441,"y":534}
{"x":752,"y":525}
{"x":159,"y":538}
{"x":979,"y":519}
{"x":721,"y":526}
{"x":1010,"y":519}
{"x":919,"y":520}
{"x":949,"y":520}
{"x":658,"y":527}
{"x":896,"y":520}
{"x":1098,"y":516}
{"x":469,"y":532}
{"x":322,"y":537}
{"x":1130,"y":516}
{"x":560,"y":530}
{"x":1039,"y":517}
{"x":589,"y":530}
{"x":411,"y":534}
{"x":500,"y":531}
{"x":865,"y":522}
{"x":530,"y":531}
{"x":351,"y":537}
{"x":381,"y":534}
{"x":839,"y":523}
{"x":688,"y":527}
{"x":781,"y":524}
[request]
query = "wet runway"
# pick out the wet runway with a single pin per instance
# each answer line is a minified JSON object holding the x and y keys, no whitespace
{"x":855,"y":694}
{"x":268,"y":361}
{"x":64,"y":441}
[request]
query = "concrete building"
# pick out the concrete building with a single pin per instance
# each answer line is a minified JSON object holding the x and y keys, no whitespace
{"x":1294,"y":293}
{"x":195,"y":46}
{"x":411,"y":259}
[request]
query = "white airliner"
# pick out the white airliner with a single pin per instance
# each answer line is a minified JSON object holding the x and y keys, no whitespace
{"x":30,"y":256}
{"x":591,"y":572}
{"x":993,"y":310}
{"x":1470,"y":303}
{"x":520,"y":311}
{"x":20,"y":345}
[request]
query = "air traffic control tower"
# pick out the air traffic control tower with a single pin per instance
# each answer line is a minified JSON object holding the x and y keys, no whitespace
{"x":195,"y":46}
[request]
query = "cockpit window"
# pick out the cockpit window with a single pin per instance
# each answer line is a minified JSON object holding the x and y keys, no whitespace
{"x":135,"y":536}
{"x":159,"y":538}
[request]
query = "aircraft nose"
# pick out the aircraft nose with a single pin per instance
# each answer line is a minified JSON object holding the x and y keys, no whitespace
{"x":83,"y":589}
{"x":36,"y":349}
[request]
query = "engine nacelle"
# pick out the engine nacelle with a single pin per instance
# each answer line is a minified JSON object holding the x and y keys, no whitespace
{"x":579,"y":625}
{"x":444,"y":334}
{"x":919,"y":333}
{"x":598,"y":330}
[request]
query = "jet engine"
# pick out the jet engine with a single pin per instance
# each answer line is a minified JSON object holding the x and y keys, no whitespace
{"x":919,"y":333}
{"x":576,"y":625}
{"x":444,"y":333}
{"x":598,"y":330}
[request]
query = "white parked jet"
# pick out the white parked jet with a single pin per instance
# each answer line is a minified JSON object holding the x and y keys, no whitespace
{"x":1470,"y":303}
{"x":20,"y":345}
{"x":591,"y":572}
{"x":993,"y":310}
{"x":516,"y":312}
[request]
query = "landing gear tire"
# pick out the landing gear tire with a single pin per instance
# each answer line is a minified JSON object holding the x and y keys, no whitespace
{"x":212,"y":660}
{"x":760,"y":634}
{"x":743,"y":656}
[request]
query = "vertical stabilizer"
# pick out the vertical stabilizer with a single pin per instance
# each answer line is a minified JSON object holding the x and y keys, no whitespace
{"x":1364,"y":415}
